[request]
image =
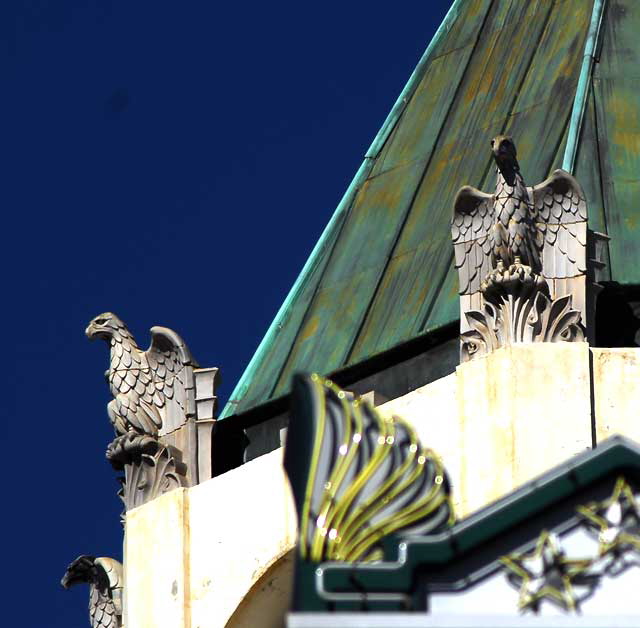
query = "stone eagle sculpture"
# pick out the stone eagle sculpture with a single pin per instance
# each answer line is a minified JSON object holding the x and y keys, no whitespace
{"x":149,"y":387}
{"x":537,"y":232}
{"x":543,"y":227}
{"x":105,"y":579}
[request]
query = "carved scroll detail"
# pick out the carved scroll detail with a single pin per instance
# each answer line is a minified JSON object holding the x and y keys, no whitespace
{"x":518,"y":309}
{"x":150,"y":467}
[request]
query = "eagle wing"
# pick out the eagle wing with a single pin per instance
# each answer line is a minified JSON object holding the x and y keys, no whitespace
{"x":561,"y":225}
{"x":105,"y":603}
{"x":105,"y":577}
{"x":171,"y":368}
{"x":471,"y":234}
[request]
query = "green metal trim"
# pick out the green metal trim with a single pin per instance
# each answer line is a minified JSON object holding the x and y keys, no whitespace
{"x":412,"y":83}
{"x":582,"y":92}
{"x":363,"y":172}
{"x":616,"y":454}
{"x":247,"y":377}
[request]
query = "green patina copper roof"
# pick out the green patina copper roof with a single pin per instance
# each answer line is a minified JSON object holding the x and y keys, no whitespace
{"x":382,"y":273}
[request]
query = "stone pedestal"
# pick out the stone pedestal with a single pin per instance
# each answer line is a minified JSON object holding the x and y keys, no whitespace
{"x":506,"y":417}
{"x":521,"y":410}
{"x":157,"y":586}
{"x":213,"y":555}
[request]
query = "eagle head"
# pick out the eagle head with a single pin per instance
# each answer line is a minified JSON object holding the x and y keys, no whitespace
{"x":504,"y":154}
{"x":103,"y":326}
{"x":82,"y":569}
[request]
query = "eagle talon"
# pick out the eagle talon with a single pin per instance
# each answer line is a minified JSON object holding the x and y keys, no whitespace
{"x":122,"y":449}
{"x":519,"y":269}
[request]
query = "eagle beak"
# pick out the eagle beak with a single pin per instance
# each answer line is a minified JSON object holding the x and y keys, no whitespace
{"x":499,"y":151}
{"x":89,"y":331}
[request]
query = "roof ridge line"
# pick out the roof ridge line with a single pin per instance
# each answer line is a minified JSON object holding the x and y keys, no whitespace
{"x":361,"y":175}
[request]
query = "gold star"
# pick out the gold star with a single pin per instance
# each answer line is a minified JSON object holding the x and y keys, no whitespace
{"x":616,"y":520}
{"x":546,"y":573}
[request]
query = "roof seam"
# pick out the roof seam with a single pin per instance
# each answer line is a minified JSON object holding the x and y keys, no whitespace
{"x":603,"y":196}
{"x":509,"y":113}
{"x":390,"y":256}
{"x":387,"y":126}
{"x":303,"y":319}
{"x":414,"y":80}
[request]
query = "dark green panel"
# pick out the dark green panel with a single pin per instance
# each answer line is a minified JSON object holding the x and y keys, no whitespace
{"x":422,"y":120}
{"x":351,"y":275}
{"x":616,"y":86}
{"x":328,"y":327}
{"x":553,"y":72}
{"x":423,"y":255}
{"x":588,"y":168}
{"x":465,"y":29}
{"x":375,"y":218}
{"x":409,"y":278}
{"x":446,"y":307}
{"x":272,"y":362}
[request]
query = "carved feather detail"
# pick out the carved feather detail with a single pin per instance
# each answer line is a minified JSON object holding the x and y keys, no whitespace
{"x":555,"y":234}
{"x":149,"y":387}
{"x":105,"y":579}
{"x":540,"y":230}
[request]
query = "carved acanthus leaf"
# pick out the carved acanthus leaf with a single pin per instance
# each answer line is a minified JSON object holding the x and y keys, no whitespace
{"x":151,"y":468}
{"x":518,"y":309}
{"x":540,"y":234}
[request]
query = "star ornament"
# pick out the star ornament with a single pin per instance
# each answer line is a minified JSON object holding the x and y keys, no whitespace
{"x":546,"y":574}
{"x":615,"y":521}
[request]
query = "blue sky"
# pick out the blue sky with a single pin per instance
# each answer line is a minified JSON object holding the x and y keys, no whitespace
{"x":173,"y":162}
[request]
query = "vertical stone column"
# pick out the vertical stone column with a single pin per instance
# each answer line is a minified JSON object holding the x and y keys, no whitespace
{"x":206,"y":382}
{"x":157,"y":563}
{"x":616,"y":373}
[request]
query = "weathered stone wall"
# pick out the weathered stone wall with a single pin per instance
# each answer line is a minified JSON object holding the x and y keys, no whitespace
{"x":504,"y":418}
{"x":220,"y":553}
{"x":196,"y":556}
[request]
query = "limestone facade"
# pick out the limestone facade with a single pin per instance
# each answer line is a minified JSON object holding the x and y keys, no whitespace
{"x":219,"y":554}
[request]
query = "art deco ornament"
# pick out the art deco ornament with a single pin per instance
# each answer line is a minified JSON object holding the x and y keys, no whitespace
{"x":105,"y":579}
{"x":151,"y":468}
{"x":358,"y":477}
{"x":547,"y":574}
{"x":521,"y":258}
{"x":616,"y":524}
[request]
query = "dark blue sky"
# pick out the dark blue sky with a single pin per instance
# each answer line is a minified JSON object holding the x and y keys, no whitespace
{"x":173,"y":162}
